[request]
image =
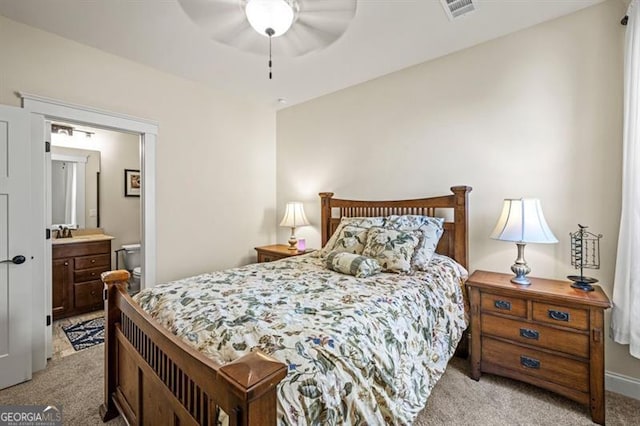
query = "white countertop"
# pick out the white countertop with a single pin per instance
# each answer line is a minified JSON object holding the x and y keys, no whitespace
{"x":82,"y":239}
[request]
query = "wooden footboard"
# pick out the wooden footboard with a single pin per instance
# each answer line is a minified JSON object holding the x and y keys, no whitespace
{"x":153,"y":378}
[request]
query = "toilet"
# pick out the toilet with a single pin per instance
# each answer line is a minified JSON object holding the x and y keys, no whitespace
{"x":132,"y":264}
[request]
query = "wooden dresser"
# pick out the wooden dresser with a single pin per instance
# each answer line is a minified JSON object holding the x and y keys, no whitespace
{"x":77,"y":266}
{"x":547,"y":334}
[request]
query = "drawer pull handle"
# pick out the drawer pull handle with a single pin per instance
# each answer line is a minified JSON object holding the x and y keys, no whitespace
{"x":529,"y":334}
{"x":527,"y":362}
{"x":502,"y":304}
{"x":93,"y":261}
{"x":558,"y":315}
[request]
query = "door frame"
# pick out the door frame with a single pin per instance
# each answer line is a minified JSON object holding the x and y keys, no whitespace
{"x":53,"y":109}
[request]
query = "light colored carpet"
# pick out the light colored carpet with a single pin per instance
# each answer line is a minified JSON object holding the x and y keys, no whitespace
{"x":75,"y":382}
{"x":460,"y":400}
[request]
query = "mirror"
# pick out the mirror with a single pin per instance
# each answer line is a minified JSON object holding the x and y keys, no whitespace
{"x":74,"y":188}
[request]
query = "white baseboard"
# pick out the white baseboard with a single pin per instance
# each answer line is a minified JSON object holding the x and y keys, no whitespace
{"x":624,"y":385}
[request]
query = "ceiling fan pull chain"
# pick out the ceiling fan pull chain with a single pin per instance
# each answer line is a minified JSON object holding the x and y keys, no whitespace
{"x":269,"y":58}
{"x":270,"y":32}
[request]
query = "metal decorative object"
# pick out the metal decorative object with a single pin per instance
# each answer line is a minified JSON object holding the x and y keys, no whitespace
{"x":585,"y":254}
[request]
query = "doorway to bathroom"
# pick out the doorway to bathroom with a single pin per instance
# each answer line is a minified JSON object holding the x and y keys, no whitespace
{"x":55,"y":111}
{"x":92,"y":170}
{"x":96,"y":226}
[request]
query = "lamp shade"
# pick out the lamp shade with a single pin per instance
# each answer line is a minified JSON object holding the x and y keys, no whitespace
{"x":294,"y":215}
{"x":522,"y":221}
{"x":275,"y":14}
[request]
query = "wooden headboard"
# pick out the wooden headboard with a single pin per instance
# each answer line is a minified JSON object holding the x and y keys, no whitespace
{"x":455,"y":239}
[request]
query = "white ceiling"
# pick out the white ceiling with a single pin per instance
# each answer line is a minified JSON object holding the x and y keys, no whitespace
{"x":384,"y":36}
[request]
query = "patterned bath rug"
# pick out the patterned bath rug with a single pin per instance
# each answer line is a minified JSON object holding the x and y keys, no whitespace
{"x":86,"y":333}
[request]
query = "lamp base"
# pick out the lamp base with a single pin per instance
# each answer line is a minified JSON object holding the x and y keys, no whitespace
{"x":521,"y":280}
{"x":520,"y":268}
{"x":293,"y":243}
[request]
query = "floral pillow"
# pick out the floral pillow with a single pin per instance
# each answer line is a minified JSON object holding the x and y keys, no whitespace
{"x":411,"y":222}
{"x":352,"y":264}
{"x":392,"y":249}
{"x":360,"y":222}
{"x":351,"y":239}
{"x":431,"y":229}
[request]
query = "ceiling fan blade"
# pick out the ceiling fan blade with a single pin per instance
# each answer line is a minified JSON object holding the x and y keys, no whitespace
{"x":341,"y":6}
{"x":318,"y":24}
{"x":223,"y":21}
{"x":211,"y":13}
{"x":304,"y":38}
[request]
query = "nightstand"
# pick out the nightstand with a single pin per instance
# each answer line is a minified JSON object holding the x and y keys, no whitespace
{"x":276,"y":252}
{"x":546,"y":334}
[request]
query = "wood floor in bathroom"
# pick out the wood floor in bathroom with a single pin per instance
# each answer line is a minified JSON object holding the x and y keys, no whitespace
{"x":61,"y":344}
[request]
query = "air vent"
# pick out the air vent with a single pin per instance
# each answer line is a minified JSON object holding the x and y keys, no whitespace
{"x":457,"y":8}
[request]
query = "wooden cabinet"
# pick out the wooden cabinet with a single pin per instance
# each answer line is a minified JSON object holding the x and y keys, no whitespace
{"x":76,"y":276}
{"x":547,"y":334}
{"x":276,"y":252}
{"x":62,"y":277}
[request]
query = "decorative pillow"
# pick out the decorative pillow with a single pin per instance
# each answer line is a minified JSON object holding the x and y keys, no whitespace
{"x":411,"y":222}
{"x":392,"y":249}
{"x":351,"y":239}
{"x":431,"y":229}
{"x":360,"y":222}
{"x":352,"y":264}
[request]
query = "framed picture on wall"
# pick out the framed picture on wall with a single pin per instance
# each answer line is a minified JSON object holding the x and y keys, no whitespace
{"x":131,"y":183}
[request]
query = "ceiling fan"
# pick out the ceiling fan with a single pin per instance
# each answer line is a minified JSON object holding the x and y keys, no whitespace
{"x":300,"y":26}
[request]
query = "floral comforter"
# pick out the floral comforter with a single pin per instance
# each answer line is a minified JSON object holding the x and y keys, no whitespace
{"x":358,"y":350}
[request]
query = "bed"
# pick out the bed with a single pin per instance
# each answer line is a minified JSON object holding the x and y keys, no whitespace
{"x":267,"y":365}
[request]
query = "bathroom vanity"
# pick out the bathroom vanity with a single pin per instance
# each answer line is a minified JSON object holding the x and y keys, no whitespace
{"x":77,"y":264}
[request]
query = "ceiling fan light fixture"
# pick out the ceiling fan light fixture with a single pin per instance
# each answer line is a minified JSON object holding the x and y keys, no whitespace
{"x":266,"y":15}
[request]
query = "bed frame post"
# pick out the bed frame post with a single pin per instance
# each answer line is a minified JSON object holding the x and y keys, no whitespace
{"x":325,"y":202}
{"x":254,"y":378}
{"x":113,"y":282}
{"x":461,"y":239}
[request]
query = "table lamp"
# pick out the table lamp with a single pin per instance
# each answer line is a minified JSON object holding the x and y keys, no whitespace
{"x":522,"y":222}
{"x":294,"y":217}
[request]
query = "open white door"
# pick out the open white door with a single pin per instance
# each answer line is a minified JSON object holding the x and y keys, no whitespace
{"x":15,"y":256}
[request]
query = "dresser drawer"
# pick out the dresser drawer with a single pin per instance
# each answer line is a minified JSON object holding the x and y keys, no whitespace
{"x":262,"y":258}
{"x":89,"y":274}
{"x":87,"y":262}
{"x":503,"y":304}
{"x":561,"y":315}
{"x":569,"y":342}
{"x":552,"y":368}
{"x":88,"y":294}
{"x":81,"y":249}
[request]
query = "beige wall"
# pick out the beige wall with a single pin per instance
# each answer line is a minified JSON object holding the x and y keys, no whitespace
{"x":119,"y":215}
{"x":536,"y":114}
{"x":215,"y":154}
